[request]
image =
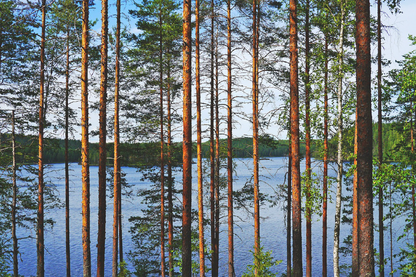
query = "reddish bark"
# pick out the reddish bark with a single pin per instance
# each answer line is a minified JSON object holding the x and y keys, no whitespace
{"x":102,"y":205}
{"x":308,"y":151}
{"x":187,"y":142}
{"x":364,"y":142}
{"x":231,"y":272}
{"x":255,"y":136}
{"x":380,"y":142}
{"x":84,"y":145}
{"x":199,"y":148}
{"x":40,"y":230}
{"x":294,"y":102}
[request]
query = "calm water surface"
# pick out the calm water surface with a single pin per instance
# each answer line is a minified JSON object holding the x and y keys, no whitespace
{"x":273,"y":223}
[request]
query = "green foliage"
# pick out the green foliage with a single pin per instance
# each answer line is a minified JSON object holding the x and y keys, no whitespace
{"x":263,"y":262}
{"x":122,"y":270}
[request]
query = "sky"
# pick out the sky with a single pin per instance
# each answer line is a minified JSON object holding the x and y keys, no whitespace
{"x":395,"y":45}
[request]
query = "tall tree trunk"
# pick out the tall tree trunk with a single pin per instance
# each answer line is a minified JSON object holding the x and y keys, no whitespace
{"x":255,"y":140}
{"x":231,"y":272}
{"x":217,"y":156}
{"x":199,"y":149}
{"x":84,"y":146}
{"x":40,"y":231}
{"x":380,"y":142}
{"x":339,"y":150}
{"x":67,"y":226}
{"x":364,"y":142}
{"x":289,"y":213}
{"x":212,"y":152}
{"x":117,"y":167}
{"x":308,"y":150}
{"x":170,"y":182}
{"x":102,"y":205}
{"x":325,"y":181}
{"x":187,"y":142}
{"x":162,"y":162}
{"x":294,"y":110}
{"x":14,"y":203}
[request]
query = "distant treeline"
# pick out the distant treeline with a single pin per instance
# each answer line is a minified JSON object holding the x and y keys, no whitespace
{"x":141,"y":154}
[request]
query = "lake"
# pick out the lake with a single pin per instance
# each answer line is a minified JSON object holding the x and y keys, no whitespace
{"x":273,"y":222}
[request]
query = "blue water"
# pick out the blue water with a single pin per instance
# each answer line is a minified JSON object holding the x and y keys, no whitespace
{"x":273,"y":223}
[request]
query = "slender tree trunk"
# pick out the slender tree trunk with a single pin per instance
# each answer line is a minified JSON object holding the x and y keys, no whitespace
{"x":199,"y":149}
{"x":67,"y":232}
{"x":325,"y":181}
{"x":14,"y":203}
{"x":355,"y":264}
{"x":364,"y":142}
{"x":40,"y":232}
{"x":187,"y":142}
{"x":217,"y":156}
{"x":117,"y":167}
{"x":162,"y":162}
{"x":380,"y":142}
{"x":170,"y":182}
{"x":339,"y":150}
{"x":289,"y":213}
{"x":231,"y":272}
{"x":294,"y":110}
{"x":212,"y":152}
{"x":102,"y":205}
{"x":308,"y":150}
{"x":255,"y":139}
{"x":84,"y":146}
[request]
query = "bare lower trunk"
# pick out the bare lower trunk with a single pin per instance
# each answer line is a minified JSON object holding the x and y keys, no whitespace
{"x":339,"y":156}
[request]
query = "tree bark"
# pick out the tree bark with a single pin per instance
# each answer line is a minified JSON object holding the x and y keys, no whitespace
{"x":14,"y":202}
{"x":212,"y":152}
{"x":217,"y":156}
{"x":116,"y":145}
{"x":325,"y":180}
{"x":294,"y":102}
{"x":364,"y":142}
{"x":255,"y":139}
{"x":102,"y":205}
{"x":308,"y":150}
{"x":380,"y":141}
{"x":170,"y":182}
{"x":231,"y":271}
{"x":199,"y":148}
{"x":40,"y":223}
{"x":67,"y":229}
{"x":339,"y":150}
{"x":187,"y":142}
{"x":84,"y":145}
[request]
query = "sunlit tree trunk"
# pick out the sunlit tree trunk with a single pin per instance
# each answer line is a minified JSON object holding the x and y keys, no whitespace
{"x":199,"y":150}
{"x":117,"y":167}
{"x":255,"y":138}
{"x":14,"y":203}
{"x":308,"y":150}
{"x":40,"y":227}
{"x":364,"y":142}
{"x":380,"y":142}
{"x":102,"y":205}
{"x":84,"y":145}
{"x":67,"y":226}
{"x":339,"y":150}
{"x":294,"y":110}
{"x":214,"y":260}
{"x":231,"y":272}
{"x":325,"y":181}
{"x":187,"y":142}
